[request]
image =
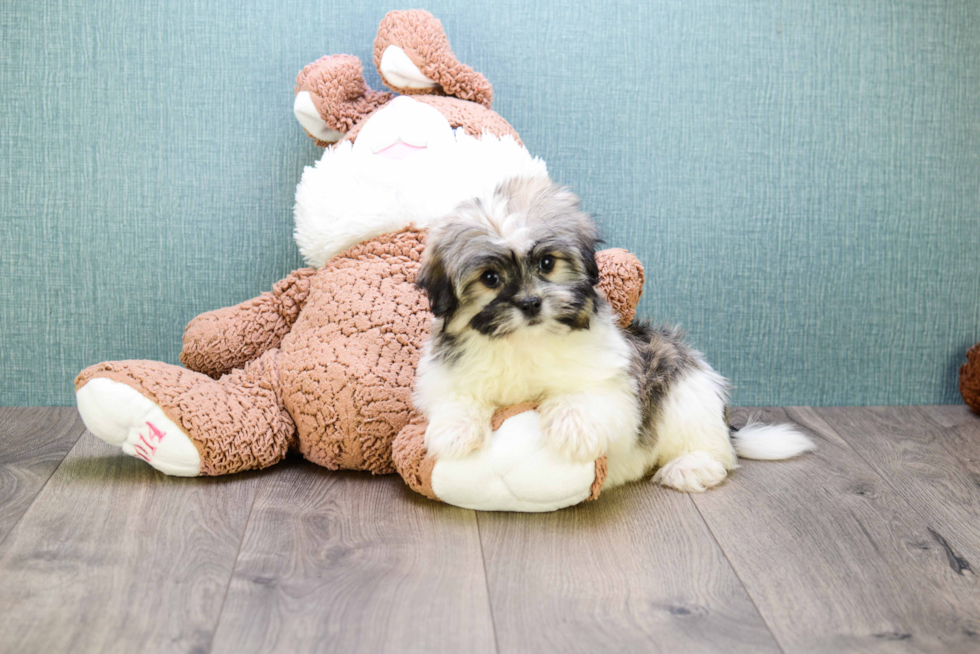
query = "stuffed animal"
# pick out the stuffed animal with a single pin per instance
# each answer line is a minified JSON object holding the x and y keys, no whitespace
{"x":323,"y":364}
{"x":970,"y":378}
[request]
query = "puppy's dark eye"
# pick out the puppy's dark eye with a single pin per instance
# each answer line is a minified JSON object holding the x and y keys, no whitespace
{"x":547,"y":263}
{"x":490,"y":278}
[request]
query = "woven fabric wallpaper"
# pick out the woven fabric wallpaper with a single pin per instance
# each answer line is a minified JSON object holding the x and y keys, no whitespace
{"x":802,"y":180}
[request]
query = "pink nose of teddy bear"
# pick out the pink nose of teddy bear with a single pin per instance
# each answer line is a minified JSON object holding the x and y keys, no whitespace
{"x":399,"y":150}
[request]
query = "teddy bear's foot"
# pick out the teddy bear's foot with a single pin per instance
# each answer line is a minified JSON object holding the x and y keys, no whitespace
{"x":332,"y":97}
{"x":412,"y":54}
{"x":232,"y":424}
{"x":121,"y":416}
{"x":515,"y":471}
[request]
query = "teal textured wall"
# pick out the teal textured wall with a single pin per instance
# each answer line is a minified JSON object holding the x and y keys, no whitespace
{"x":802,"y":180}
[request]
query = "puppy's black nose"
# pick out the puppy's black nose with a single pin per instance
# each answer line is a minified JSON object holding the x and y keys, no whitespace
{"x":530,"y":306}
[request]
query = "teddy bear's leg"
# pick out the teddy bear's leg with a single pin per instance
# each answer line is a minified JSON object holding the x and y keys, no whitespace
{"x":332,"y":97}
{"x":516,"y":471}
{"x":185,"y":423}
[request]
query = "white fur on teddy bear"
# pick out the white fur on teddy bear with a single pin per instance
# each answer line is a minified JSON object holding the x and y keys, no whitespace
{"x":354,"y":192}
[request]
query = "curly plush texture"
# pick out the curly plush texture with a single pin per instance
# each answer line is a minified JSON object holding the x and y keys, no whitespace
{"x":601,"y":469}
{"x":621,"y":282}
{"x":349,"y":361}
{"x":420,"y":35}
{"x":412,"y":460}
{"x":970,"y":378}
{"x":236,"y":423}
{"x":473,"y":118}
{"x":338,"y":90}
{"x":345,"y":102}
{"x":323,"y":364}
{"x":217,"y":342}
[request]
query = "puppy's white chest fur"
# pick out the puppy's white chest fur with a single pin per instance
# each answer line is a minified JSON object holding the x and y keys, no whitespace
{"x":529,"y":365}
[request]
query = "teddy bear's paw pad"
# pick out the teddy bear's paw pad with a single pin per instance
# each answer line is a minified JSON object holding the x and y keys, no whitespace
{"x":121,"y":416}
{"x":516,"y":471}
{"x":691,"y":473}
{"x":402,"y":72}
{"x":308,"y":116}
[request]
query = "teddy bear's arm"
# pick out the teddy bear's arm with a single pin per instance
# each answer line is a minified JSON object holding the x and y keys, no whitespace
{"x":219,"y":341}
{"x":621,"y":281}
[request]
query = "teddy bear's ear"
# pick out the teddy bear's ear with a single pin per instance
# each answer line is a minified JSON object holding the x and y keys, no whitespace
{"x":332,"y":97}
{"x":412,"y":54}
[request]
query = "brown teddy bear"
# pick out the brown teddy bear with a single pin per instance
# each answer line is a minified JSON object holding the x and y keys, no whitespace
{"x":323,"y":364}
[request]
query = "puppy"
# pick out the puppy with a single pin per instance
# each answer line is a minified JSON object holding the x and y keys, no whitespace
{"x":511,"y":280}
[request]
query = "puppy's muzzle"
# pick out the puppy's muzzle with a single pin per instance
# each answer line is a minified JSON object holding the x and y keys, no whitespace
{"x":529,"y":306}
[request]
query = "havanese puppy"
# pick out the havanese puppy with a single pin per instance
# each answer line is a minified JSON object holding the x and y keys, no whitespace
{"x":511,"y":279}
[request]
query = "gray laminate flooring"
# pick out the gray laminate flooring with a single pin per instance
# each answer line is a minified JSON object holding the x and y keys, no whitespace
{"x":870,"y":544}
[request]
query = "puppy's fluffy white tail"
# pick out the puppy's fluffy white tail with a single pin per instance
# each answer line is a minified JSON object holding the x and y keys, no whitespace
{"x":770,"y":442}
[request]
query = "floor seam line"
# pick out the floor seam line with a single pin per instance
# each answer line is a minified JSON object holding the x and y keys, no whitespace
{"x":13,"y":527}
{"x":741,"y":583}
{"x":486,"y":583}
{"x":231,"y":576}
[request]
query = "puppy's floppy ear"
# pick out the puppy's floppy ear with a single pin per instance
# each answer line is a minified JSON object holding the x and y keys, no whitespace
{"x":588,"y":243}
{"x":435,"y":281}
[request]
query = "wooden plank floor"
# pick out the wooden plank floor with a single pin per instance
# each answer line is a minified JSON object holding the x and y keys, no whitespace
{"x":870,"y":544}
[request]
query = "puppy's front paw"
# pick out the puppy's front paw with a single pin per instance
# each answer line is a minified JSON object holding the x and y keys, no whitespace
{"x":569,"y":430}
{"x":691,"y":473}
{"x":454,"y":438}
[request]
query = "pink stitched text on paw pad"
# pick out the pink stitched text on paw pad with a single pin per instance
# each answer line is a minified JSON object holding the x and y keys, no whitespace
{"x":147,"y":446}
